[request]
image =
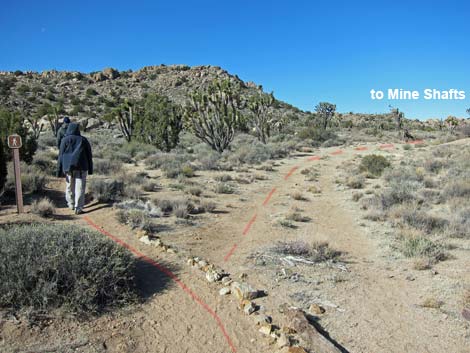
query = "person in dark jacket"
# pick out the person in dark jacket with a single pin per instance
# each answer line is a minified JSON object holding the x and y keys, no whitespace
{"x":62,"y":130}
{"x":75,"y":162}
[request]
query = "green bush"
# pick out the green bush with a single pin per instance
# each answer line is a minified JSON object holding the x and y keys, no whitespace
{"x":374,"y":165}
{"x":53,"y":266}
{"x":3,"y":167}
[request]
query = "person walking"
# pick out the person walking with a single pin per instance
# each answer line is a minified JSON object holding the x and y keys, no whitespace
{"x":76,"y":163}
{"x":62,"y":130}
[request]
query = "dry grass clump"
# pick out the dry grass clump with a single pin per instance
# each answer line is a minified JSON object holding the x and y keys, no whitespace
{"x":432,"y":303}
{"x":412,"y":243}
{"x":223,"y":178}
{"x":195,"y":191}
{"x":422,"y":264}
{"x":297,"y":217}
{"x":43,"y":207}
{"x":297,"y":195}
{"x":224,"y":188}
{"x":466,"y":299}
{"x":356,"y":181}
{"x":357,"y":196}
{"x":316,"y":251}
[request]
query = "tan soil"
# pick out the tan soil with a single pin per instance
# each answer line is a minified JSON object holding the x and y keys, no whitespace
{"x":372,"y":299}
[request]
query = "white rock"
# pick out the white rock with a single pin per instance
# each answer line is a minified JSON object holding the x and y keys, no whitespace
{"x":224,"y":291}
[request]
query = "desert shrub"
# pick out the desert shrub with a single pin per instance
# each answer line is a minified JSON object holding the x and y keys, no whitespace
{"x":357,"y":196}
{"x":59,"y":266}
{"x":43,"y":207}
{"x":208,"y":206}
{"x":423,"y":221}
{"x":296,"y":217}
{"x":456,"y":188}
{"x":255,"y":153}
{"x":195,"y":191}
{"x":107,"y":190}
{"x":223,"y":178}
{"x":423,"y":247}
{"x":224,"y":188}
{"x":150,"y":186}
{"x":403,"y":174}
{"x":47,"y":140}
{"x":150,"y":208}
{"x":106,"y":166}
{"x":374,"y":165}
{"x":136,"y":219}
{"x":317,"y":251}
{"x":187,"y":171}
{"x":45,"y":162}
{"x":316,"y":135}
{"x":33,"y":180}
{"x":133,"y":192}
{"x":433,"y":165}
{"x":398,"y":193}
{"x":459,"y":225}
{"x":297,"y":195}
{"x":181,"y":211}
{"x":356,"y":182}
{"x":135,"y":148}
{"x":407,"y":147}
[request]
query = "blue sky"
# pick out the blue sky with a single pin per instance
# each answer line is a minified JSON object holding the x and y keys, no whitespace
{"x":305,"y":51}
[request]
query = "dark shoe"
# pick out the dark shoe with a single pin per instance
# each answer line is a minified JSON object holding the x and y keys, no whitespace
{"x":77,"y":211}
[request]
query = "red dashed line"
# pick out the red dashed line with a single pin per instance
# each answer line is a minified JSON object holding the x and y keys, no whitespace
{"x":415,"y":142}
{"x":387,"y":145}
{"x":171,"y":275}
{"x":314,"y":158}
{"x":266,"y":200}
{"x":291,"y":172}
{"x":336,"y":152}
{"x":229,"y":254}
{"x":249,"y":224}
{"x":361,"y":148}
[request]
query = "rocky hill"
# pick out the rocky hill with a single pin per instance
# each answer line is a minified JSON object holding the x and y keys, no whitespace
{"x":93,"y":94}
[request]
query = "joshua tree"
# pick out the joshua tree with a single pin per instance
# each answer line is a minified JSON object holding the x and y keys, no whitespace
{"x":452,"y":122}
{"x":124,"y":115}
{"x":214,"y":115}
{"x":159,"y":122}
{"x":260,"y":107}
{"x":326,"y":112}
{"x":398,"y":116}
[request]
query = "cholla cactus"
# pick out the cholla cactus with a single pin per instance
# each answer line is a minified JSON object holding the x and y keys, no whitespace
{"x":214,"y":115}
{"x":260,"y":106}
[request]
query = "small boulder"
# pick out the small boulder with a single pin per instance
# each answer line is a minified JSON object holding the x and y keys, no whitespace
{"x":226,"y":281}
{"x":262,"y":319}
{"x":243,"y":291}
{"x":316,"y":309}
{"x":224,"y":291}
{"x":213,"y":276}
{"x":283,"y":340}
{"x":266,"y":329}
{"x":249,"y":307}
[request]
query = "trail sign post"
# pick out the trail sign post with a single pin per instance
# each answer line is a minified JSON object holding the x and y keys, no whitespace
{"x":15,"y":143}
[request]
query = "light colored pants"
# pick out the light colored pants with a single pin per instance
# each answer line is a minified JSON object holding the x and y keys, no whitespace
{"x":75,"y":189}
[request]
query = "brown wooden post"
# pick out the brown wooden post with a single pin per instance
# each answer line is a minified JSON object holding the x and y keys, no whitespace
{"x":15,"y":143}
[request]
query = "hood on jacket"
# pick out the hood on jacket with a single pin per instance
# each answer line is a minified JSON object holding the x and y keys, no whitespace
{"x":73,"y":129}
